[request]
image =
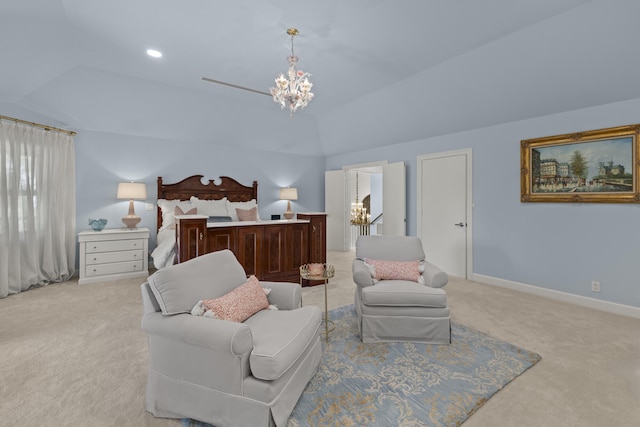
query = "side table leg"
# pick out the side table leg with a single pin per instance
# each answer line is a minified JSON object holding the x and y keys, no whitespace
{"x":326,"y":312}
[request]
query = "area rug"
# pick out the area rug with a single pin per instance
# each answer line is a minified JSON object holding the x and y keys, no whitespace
{"x":404,"y":384}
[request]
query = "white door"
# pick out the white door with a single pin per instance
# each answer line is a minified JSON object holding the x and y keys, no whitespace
{"x":394,"y":199}
{"x":444,"y":210}
{"x":335,"y":184}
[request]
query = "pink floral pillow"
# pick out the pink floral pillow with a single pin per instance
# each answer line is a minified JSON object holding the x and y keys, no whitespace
{"x":178,"y":211}
{"x":394,"y":270}
{"x":239,"y":304}
{"x":247,"y":214}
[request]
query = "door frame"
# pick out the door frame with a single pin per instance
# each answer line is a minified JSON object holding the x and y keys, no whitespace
{"x":468,"y":152}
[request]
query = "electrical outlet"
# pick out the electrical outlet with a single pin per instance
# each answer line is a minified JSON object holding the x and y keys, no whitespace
{"x":148,"y":206}
{"x":595,"y":286}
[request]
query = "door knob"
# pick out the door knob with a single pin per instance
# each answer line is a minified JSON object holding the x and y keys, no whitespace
{"x":460,"y":224}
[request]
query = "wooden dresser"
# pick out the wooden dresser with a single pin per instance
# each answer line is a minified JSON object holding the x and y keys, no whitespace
{"x":270,"y":250}
{"x":113,"y":254}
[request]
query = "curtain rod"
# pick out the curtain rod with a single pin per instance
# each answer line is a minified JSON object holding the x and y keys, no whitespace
{"x":45,"y":127}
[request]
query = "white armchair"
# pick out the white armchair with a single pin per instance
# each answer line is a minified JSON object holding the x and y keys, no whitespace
{"x":398,"y":309}
{"x":218,"y":371}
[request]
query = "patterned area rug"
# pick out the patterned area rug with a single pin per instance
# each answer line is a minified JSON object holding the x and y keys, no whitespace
{"x":404,"y":384}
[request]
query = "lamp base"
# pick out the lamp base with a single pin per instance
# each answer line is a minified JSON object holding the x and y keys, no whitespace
{"x":131,"y":221}
{"x":288,"y":215}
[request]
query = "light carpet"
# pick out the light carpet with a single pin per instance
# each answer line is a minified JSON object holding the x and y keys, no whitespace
{"x":404,"y":384}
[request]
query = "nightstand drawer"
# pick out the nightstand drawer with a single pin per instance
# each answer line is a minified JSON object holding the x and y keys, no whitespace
{"x":108,"y":257}
{"x":114,"y":245}
{"x":120,"y":267}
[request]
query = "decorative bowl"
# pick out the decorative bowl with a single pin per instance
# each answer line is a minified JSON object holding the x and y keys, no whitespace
{"x":316,"y":269}
{"x":97,"y":224}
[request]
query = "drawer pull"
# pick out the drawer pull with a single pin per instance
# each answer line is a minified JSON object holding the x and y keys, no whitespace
{"x":95,"y":259}
{"x":201,"y":236}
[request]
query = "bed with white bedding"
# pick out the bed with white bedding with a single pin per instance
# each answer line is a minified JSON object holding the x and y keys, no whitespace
{"x":228,"y":201}
{"x":165,"y":252}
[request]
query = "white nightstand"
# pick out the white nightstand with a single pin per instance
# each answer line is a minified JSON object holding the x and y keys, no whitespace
{"x":112,"y":254}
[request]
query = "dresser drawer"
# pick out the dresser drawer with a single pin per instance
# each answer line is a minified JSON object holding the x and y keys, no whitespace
{"x":114,"y":245}
{"x":114,"y":268}
{"x":107,"y":257}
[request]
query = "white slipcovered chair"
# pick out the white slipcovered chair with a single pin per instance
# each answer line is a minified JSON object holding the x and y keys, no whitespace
{"x":412,"y":308}
{"x":223,"y":372}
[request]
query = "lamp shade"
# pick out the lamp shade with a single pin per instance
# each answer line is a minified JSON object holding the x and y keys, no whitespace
{"x":132,"y":190}
{"x":289,"y":193}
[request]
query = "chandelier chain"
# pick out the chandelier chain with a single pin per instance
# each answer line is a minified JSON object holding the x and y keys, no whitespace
{"x":292,"y":54}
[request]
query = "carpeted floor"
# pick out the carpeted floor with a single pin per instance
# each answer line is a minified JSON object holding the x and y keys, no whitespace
{"x":409,"y":384}
{"x":75,"y":355}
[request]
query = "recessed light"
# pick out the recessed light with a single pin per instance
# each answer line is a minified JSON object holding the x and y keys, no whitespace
{"x":154,"y":53}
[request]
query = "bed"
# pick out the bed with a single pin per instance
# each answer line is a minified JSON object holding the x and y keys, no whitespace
{"x":219,"y":202}
{"x":195,"y":218}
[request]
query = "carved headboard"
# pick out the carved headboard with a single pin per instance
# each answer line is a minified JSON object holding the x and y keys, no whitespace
{"x":193,"y":186}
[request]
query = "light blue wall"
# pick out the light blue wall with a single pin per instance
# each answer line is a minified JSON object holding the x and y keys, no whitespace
{"x":103,"y":160}
{"x":559,"y":246}
{"x":555,"y":246}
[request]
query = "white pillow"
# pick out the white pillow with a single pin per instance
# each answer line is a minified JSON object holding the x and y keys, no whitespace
{"x":231,"y":208}
{"x":168,"y":208}
{"x":210,"y":207}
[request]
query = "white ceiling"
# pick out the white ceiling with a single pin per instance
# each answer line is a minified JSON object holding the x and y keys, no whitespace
{"x":384,"y":71}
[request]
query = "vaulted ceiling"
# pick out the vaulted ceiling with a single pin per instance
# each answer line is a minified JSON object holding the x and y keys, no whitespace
{"x":384,"y":71}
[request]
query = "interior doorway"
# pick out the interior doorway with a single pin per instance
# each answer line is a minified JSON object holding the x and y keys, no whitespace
{"x":383,"y":183}
{"x":366,"y":195}
{"x":444,"y":218}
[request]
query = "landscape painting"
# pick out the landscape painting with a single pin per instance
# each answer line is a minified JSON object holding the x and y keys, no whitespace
{"x":593,"y":166}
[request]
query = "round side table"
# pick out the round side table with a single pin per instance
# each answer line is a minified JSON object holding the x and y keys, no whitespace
{"x":322,"y":272}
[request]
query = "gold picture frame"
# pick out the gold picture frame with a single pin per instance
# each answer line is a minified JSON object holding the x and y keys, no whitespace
{"x":596,"y":166}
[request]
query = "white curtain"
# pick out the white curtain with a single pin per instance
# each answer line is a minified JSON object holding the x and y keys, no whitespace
{"x":37,"y":207}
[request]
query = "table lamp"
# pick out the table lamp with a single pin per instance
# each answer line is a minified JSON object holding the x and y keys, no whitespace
{"x":288,"y":194}
{"x":131,"y":190}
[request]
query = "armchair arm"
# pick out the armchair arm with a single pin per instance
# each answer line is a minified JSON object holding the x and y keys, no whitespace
{"x":284,"y":295}
{"x":220,"y":335}
{"x":361,"y":273}
{"x":433,"y":276}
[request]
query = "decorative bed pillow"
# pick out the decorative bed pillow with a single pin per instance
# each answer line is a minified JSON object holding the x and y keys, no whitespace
{"x":236,"y":306}
{"x":211,"y":207}
{"x":231,"y":207}
{"x":178,"y":211}
{"x":247,"y":214}
{"x":167,"y":207}
{"x":394,"y":270}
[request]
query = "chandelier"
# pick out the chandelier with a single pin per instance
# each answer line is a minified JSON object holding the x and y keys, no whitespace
{"x":292,"y":91}
{"x":359,"y":215}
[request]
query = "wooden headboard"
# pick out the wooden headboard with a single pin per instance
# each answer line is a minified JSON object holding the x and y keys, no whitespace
{"x":193,"y":186}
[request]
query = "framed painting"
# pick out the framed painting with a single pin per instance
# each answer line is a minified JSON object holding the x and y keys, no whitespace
{"x":597,"y":166}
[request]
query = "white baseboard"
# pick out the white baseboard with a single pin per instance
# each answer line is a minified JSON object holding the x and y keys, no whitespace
{"x":612,"y":307}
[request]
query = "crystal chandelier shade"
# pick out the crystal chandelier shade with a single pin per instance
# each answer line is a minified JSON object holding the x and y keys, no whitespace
{"x":292,"y":91}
